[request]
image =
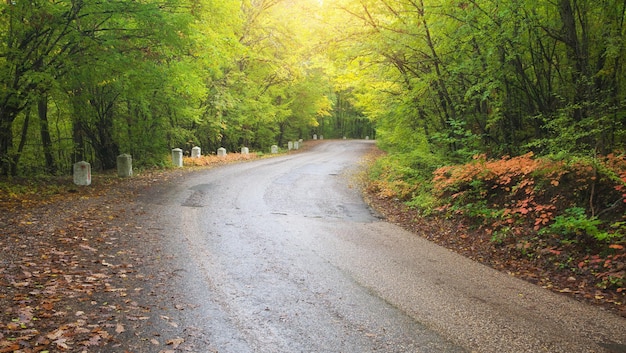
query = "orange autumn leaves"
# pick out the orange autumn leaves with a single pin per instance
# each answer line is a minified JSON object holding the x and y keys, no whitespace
{"x":561,"y":209}
{"x":526,"y":188}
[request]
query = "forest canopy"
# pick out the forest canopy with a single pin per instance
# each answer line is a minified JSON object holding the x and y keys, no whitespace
{"x":89,"y":80}
{"x":436,"y":82}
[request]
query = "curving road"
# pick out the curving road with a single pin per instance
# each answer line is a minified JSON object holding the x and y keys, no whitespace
{"x":282,"y":255}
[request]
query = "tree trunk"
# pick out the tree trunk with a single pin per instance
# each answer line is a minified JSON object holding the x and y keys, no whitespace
{"x":78,"y":135}
{"x":20,"y":148}
{"x":42,"y":109}
{"x":7,"y":116}
{"x":441,"y":88}
{"x":577,"y":51}
{"x":107,"y":149}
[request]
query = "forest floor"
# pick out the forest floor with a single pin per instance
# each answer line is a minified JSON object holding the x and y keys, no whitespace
{"x":73,"y":264}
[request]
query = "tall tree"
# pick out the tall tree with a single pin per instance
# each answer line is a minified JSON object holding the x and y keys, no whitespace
{"x":35,"y":39}
{"x":493,"y":76}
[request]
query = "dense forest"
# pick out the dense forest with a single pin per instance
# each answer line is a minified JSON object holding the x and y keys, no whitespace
{"x":88,"y":80}
{"x":440,"y":81}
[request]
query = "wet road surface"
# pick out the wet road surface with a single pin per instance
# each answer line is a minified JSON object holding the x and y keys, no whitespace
{"x":282,"y":255}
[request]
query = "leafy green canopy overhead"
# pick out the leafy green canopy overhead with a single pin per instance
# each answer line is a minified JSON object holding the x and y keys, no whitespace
{"x":502,"y":77}
{"x":91,"y":79}
{"x":451,"y":78}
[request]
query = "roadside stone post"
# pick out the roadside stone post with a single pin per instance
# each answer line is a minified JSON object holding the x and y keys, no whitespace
{"x":314,"y":136}
{"x":290,"y":145}
{"x":274,"y":149}
{"x":196,"y":152}
{"x":367,"y":137}
{"x":245,"y":150}
{"x":124,"y":165}
{"x":221,"y":152}
{"x":82,"y":173}
{"x":296,"y":145}
{"x":321,"y":137}
{"x":177,"y":157}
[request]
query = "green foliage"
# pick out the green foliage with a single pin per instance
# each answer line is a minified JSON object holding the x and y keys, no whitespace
{"x":522,"y":195}
{"x":406,"y":177}
{"x":499,"y":78}
{"x":143,"y":77}
{"x":390,"y":179}
{"x":574,"y":224}
{"x":423,"y":201}
{"x":478,"y":210}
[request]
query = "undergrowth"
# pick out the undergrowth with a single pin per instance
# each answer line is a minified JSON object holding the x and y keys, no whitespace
{"x":570,"y":212}
{"x":406,"y":178}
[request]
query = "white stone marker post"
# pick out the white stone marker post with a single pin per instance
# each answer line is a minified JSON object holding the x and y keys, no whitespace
{"x":82,"y":173}
{"x":221,"y":152}
{"x":296,"y":145}
{"x":245,"y":150}
{"x":177,"y":157}
{"x":124,"y":165}
{"x":290,"y":145}
{"x":196,"y":152}
{"x":274,"y":149}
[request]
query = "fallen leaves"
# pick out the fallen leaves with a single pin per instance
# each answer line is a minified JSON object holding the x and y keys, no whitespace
{"x":43,"y":285}
{"x":11,"y":347}
{"x":63,"y":272}
{"x":175,"y":342}
{"x":212,"y":160}
{"x":71,"y":273}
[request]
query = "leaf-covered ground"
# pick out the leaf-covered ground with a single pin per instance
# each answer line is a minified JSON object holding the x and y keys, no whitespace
{"x":71,"y":274}
{"x":80,"y":271}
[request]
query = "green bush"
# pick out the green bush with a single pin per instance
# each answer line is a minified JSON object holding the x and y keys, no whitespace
{"x":574,"y":224}
{"x":406,"y":177}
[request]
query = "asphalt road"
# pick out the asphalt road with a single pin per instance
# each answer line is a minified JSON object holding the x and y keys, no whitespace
{"x":282,"y":255}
